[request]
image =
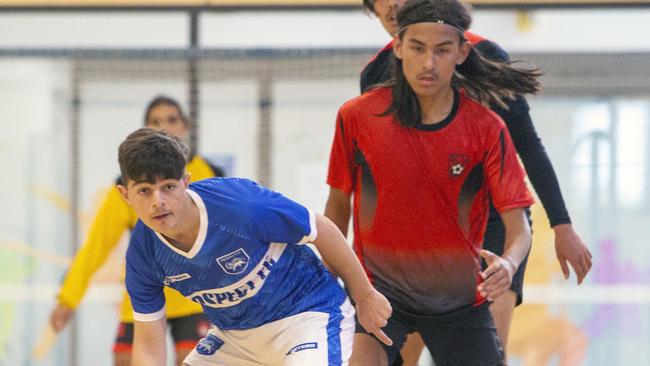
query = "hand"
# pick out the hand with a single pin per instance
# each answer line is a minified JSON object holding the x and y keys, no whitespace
{"x":373,"y":311}
{"x":497,"y":276}
{"x":569,"y":247}
{"x":60,"y":316}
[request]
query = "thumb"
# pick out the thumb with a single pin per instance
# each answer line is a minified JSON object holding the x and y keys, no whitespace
{"x":565,"y":268}
{"x":488,"y":256}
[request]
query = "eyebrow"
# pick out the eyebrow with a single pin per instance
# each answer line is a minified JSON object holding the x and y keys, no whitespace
{"x":443,"y":43}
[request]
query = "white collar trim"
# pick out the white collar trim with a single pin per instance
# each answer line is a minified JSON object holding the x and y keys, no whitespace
{"x":203,"y":228}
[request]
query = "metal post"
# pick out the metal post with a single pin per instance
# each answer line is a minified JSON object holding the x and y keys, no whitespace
{"x":193,"y":80}
{"x":265,"y":131}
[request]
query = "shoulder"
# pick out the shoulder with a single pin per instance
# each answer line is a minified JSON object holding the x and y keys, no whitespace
{"x":374,"y":101}
{"x":235,"y":188}
{"x":140,"y":242}
{"x":488,"y":48}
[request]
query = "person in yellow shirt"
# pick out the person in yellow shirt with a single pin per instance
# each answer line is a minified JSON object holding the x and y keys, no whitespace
{"x":185,"y":318}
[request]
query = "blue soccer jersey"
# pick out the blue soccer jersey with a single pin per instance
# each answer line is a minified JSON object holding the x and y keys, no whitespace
{"x":247,"y":266}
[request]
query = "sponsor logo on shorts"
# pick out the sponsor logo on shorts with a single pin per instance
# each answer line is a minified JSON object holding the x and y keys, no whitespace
{"x":171,"y":279}
{"x":235,"y":262}
{"x":209,"y":345}
{"x":302,"y":347}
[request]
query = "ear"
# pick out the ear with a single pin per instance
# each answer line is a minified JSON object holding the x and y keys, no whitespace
{"x":465,"y":49}
{"x":397,"y":47}
{"x":124,"y":193}
{"x":186,"y":179}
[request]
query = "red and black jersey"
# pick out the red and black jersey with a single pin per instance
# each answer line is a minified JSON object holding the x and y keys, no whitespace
{"x":517,"y":118}
{"x":421,"y":196}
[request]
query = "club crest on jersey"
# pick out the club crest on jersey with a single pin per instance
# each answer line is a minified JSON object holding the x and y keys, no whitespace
{"x":235,"y":262}
{"x":457,"y":164}
{"x":209,"y":345}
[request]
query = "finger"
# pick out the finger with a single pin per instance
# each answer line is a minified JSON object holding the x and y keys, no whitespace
{"x":565,"y":268}
{"x":488,"y":256}
{"x":503,"y":283}
{"x":382,"y":337}
{"x":496,"y":281}
{"x":490,"y":270}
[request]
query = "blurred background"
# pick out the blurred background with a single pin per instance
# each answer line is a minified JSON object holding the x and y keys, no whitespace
{"x":262,"y":81}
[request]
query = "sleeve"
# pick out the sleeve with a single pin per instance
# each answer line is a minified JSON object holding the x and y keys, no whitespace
{"x":341,"y":172}
{"x":529,"y":146}
{"x":110,"y":222}
{"x":144,"y":287}
{"x":505,"y":176}
{"x":277,"y":219}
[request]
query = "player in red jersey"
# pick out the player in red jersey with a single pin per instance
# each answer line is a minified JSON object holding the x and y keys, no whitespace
{"x":423,"y":159}
{"x":568,"y":245}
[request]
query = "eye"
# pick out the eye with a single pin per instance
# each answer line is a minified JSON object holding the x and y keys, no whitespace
{"x":170,"y":187}
{"x":443,"y":51}
{"x":144,"y":191}
{"x":417,"y":48}
{"x":172,"y":120}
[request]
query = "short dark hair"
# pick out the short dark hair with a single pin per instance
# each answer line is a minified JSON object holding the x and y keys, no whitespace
{"x":164,"y":100}
{"x":148,"y":154}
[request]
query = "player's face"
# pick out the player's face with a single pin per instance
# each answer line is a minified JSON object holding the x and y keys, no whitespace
{"x":429,"y":54}
{"x":159,"y":205}
{"x":385,"y":10}
{"x":168,"y":118}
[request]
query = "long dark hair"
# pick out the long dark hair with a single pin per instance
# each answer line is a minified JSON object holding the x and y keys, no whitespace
{"x":488,"y":82}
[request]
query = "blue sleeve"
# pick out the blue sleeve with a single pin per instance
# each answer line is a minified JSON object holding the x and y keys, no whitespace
{"x":277,"y":219}
{"x":143,"y":285}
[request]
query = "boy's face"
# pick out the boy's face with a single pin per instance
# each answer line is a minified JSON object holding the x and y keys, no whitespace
{"x":159,"y":205}
{"x":386,"y":10}
{"x":168,"y":118}
{"x":429,"y":54}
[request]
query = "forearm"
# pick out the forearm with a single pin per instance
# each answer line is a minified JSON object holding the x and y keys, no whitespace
{"x":339,"y":256}
{"x":149,"y":347}
{"x":338,"y":210}
{"x":518,"y":237}
{"x":538,"y":167}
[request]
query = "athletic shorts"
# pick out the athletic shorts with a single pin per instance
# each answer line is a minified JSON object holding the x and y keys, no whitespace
{"x":494,"y":241}
{"x":309,"y":338}
{"x":186,"y":331}
{"x":463,"y":337}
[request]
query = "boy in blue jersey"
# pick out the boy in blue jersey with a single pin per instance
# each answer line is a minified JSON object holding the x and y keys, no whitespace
{"x":236,"y":248}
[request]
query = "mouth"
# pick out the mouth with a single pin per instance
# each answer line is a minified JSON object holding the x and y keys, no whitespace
{"x":160,"y":216}
{"x":427,"y":79}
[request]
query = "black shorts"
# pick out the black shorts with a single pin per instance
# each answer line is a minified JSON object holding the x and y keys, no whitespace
{"x":494,"y":240}
{"x":186,"y":331}
{"x":463,"y":337}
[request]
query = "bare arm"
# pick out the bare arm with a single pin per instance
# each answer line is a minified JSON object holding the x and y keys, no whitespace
{"x":498,"y":274}
{"x":338,"y":209}
{"x":149,"y":347}
{"x":373,"y":309}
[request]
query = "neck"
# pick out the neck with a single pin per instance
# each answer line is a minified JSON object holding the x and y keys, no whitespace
{"x":435,"y":108}
{"x":184,"y":236}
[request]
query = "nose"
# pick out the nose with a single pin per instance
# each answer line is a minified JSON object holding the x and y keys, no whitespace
{"x":429,"y":61}
{"x":157,"y":199}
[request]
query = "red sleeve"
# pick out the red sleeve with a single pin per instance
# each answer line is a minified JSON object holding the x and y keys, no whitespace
{"x":341,"y":167}
{"x":505,"y":175}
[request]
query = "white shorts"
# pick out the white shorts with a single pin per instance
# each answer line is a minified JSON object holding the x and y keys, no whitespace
{"x":309,"y":338}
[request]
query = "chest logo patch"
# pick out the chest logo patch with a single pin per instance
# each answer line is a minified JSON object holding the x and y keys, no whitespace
{"x":457,"y":164}
{"x":235,"y":262}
